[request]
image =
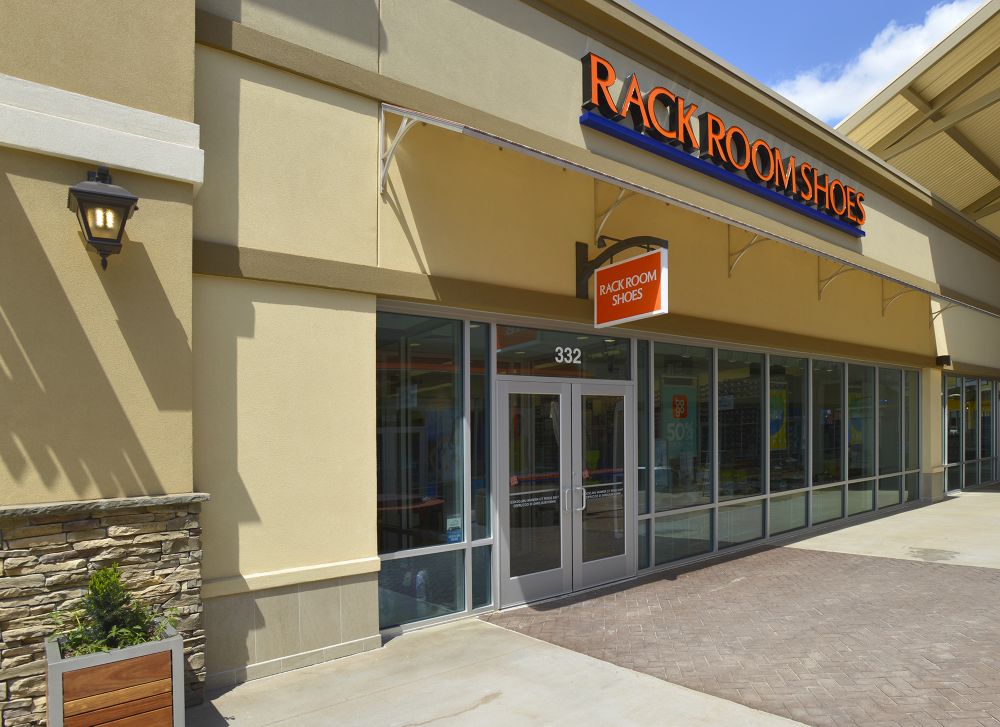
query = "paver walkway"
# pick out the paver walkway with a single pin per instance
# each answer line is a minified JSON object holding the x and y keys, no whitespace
{"x":827,"y":638}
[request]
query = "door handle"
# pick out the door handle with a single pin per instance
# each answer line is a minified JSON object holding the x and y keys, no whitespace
{"x":566,"y":497}
{"x":583,"y":495}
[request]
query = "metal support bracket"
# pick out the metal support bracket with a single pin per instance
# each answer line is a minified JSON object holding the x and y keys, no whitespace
{"x":939,"y":311}
{"x":887,"y":301}
{"x":585,"y":267}
{"x":385,"y":156}
{"x":409,"y":120}
{"x":737,"y":255}
{"x":824,"y":283}
{"x":602,"y":219}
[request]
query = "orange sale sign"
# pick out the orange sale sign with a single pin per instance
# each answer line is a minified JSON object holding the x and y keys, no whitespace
{"x":631,"y":290}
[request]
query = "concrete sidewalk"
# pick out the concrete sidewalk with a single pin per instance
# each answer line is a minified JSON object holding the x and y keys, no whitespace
{"x":470,"y":673}
{"x":959,"y":531}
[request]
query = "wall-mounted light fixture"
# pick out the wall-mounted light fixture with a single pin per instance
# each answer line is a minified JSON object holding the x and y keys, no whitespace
{"x":103,"y":209}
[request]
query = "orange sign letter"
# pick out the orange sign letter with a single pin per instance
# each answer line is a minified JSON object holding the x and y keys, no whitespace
{"x":598,"y":77}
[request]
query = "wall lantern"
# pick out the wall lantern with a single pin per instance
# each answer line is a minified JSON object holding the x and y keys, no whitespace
{"x":103,"y":209}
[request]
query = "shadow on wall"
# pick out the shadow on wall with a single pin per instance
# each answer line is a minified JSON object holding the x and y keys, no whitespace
{"x":59,"y":414}
{"x":217,"y":426}
{"x":154,"y":335}
{"x":229,"y":624}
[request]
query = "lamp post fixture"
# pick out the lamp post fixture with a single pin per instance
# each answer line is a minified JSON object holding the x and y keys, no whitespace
{"x":102,"y":209}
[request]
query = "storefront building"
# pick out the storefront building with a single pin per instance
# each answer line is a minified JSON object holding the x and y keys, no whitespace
{"x":344,"y":375}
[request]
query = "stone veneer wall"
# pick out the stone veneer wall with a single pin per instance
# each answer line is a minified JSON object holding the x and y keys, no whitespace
{"x":47,"y":553}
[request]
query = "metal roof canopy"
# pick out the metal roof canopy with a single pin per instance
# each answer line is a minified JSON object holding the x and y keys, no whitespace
{"x":410,"y":117}
{"x":947,"y":104}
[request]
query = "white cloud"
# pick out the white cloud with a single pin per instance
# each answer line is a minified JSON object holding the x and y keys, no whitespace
{"x":831,"y":92}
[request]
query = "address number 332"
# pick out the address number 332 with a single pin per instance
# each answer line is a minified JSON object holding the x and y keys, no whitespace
{"x":565,"y":354}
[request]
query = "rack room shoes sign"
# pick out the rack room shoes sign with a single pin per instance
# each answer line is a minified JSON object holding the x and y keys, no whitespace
{"x":663,"y":123}
{"x":631,"y":290}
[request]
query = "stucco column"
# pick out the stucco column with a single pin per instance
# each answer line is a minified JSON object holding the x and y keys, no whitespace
{"x":931,"y":455}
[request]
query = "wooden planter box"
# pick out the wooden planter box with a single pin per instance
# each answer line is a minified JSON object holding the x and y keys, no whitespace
{"x":136,"y":686}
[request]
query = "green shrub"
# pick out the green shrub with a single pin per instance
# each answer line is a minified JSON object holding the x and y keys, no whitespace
{"x":110,"y":618}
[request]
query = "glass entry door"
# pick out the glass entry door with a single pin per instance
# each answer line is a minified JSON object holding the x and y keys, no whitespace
{"x":567,"y":491}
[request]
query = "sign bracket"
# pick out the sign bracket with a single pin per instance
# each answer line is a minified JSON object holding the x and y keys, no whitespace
{"x":585,"y":267}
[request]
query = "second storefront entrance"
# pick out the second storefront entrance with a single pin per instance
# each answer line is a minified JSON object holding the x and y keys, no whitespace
{"x":566,"y":495}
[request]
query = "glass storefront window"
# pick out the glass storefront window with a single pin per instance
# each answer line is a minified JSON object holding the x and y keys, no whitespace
{"x":828,"y":504}
{"x":788,"y":438}
{"x":971,"y":474}
{"x":435,"y":379}
{"x":682,"y":536}
{"x":534,"y":501}
{"x":482,"y":576}
{"x":860,"y":497}
{"x":828,"y":421}
{"x":860,"y":421}
{"x":788,"y":513}
{"x":971,"y":419}
{"x":741,"y":523}
{"x":642,"y":428}
{"x":890,"y":421}
{"x":422,"y":587}
{"x":419,"y":442}
{"x":953,"y":418}
{"x":682,"y":410}
{"x":954,"y":477}
{"x":741,"y":431}
{"x":479,"y":427}
{"x":644,"y":526}
{"x":912,"y":397}
{"x":987,"y":437}
{"x":535,"y":352}
{"x":888,"y":491}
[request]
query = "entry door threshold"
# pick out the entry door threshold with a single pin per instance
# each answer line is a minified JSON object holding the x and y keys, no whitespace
{"x":571,"y":594}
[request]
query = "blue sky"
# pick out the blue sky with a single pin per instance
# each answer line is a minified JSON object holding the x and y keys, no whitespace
{"x":844,"y":53}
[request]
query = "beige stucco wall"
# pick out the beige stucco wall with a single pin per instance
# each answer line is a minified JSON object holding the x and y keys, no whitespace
{"x":95,"y":366}
{"x":350,"y":30}
{"x":479,"y":53}
{"x":290,"y":164}
{"x":139,"y":54}
{"x":969,"y":337}
{"x":521,"y":64}
{"x":285,"y":432}
{"x":931,"y":455}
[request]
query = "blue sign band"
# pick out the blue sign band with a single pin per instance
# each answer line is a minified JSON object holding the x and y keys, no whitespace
{"x":597,"y":122}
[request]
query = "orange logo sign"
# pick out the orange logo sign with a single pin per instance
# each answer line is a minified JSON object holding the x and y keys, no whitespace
{"x":631,"y":290}
{"x":680,"y":406}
